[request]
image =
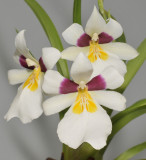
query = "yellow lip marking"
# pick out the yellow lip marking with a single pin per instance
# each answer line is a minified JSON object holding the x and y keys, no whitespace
{"x":32,"y":81}
{"x":84,"y":100}
{"x":96,"y":51}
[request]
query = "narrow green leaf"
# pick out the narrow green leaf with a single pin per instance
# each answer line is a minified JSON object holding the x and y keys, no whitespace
{"x":133,"y":66}
{"x":118,"y":125}
{"x":50,"y":31}
{"x":77,"y":12}
{"x":132,"y":152}
{"x":123,"y":121}
{"x":130,"y":109}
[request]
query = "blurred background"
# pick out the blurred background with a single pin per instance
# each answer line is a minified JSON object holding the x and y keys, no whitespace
{"x":38,"y":140}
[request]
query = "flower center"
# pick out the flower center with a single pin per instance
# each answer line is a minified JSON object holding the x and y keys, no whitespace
{"x":32,"y":81}
{"x":84,"y":101}
{"x":96,"y":51}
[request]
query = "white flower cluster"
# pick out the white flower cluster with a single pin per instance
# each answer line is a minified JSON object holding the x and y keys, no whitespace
{"x":98,"y":65}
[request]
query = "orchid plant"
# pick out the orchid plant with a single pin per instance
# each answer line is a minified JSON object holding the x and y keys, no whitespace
{"x":103,"y":66}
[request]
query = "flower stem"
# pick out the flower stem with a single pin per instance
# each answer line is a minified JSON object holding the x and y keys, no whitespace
{"x":101,"y":9}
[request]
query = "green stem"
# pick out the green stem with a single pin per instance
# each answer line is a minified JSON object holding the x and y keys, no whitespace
{"x":101,"y":9}
{"x":77,"y":11}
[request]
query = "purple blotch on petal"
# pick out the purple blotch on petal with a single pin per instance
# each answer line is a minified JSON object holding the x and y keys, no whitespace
{"x":43,"y":67}
{"x":97,"y":83}
{"x":104,"y":38}
{"x":68,"y":86}
{"x":84,"y":40}
{"x":23,"y":63}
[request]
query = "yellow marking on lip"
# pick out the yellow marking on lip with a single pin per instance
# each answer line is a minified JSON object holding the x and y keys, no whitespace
{"x":84,"y":100}
{"x":32,"y":81}
{"x":96,"y":52}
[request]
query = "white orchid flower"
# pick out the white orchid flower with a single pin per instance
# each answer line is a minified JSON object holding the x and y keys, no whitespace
{"x":96,"y":43}
{"x":27,"y":105}
{"x":86,"y":120}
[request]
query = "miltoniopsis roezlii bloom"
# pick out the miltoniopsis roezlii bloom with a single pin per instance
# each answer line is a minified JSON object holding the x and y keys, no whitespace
{"x":96,"y":43}
{"x":27,"y":105}
{"x":86,"y":120}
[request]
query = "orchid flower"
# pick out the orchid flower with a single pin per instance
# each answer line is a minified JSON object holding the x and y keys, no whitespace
{"x":27,"y":105}
{"x":86,"y":120}
{"x":96,"y":43}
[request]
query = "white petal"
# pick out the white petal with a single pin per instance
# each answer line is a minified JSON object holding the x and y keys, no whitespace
{"x":52,"y":81}
{"x":98,"y":66}
{"x":112,"y":78}
{"x":117,"y":64}
{"x":123,"y":50}
{"x":99,"y":126}
{"x":72,"y":52}
{"x":95,"y":24}
{"x":72,"y":33}
{"x":113,"y":28}
{"x":58,"y":103}
{"x":74,"y":129}
{"x":16,"y":76}
{"x":50,"y":57}
{"x":21,"y":47}
{"x":113,"y":60}
{"x":81,"y":69}
{"x":110,"y":99}
{"x":27,"y":105}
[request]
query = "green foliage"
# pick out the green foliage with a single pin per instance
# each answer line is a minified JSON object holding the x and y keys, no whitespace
{"x":123,"y":118}
{"x":122,"y":38}
{"x":77,"y":11}
{"x":132,"y":152}
{"x":134,"y":65}
{"x":102,"y":10}
{"x":51,"y":33}
{"x":134,"y":107}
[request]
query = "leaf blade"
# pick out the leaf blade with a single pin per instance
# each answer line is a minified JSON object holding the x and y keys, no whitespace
{"x":133,"y":66}
{"x":132,"y":108}
{"x":123,"y":121}
{"x":50,"y":31}
{"x":132,"y":152}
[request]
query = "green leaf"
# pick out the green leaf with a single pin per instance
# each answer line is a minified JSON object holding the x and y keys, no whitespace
{"x":123,"y":120}
{"x":132,"y":152}
{"x":51,"y":33}
{"x":122,"y":38}
{"x":136,"y":106}
{"x":119,"y":124}
{"x":133,"y":66}
{"x":77,"y":11}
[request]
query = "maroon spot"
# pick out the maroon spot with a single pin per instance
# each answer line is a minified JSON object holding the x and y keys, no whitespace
{"x":97,"y":83}
{"x":84,"y":40}
{"x":104,"y":38}
{"x":43,"y":67}
{"x":68,"y":86}
{"x":23,"y":63}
